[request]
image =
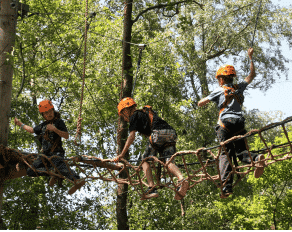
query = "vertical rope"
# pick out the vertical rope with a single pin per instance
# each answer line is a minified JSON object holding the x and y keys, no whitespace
{"x":78,"y":132}
{"x":141,"y":47}
{"x":256,"y":24}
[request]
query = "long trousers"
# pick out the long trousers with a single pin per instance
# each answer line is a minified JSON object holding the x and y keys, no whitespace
{"x":233,"y":126}
{"x":58,"y":162}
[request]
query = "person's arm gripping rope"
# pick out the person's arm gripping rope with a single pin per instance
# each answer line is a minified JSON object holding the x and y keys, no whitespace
{"x":129,"y":141}
{"x":23,"y":126}
{"x":252,"y":74}
{"x":203,"y":102}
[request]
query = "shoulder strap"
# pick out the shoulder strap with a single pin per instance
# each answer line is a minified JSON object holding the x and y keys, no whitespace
{"x":229,"y":93}
{"x":148,"y":110}
{"x":56,"y":142}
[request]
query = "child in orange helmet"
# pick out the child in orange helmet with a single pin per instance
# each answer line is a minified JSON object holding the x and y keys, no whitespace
{"x":229,"y":99}
{"x":50,"y":133}
{"x":162,"y":139}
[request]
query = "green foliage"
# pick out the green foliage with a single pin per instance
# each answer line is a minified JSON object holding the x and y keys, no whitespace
{"x":185,"y":43}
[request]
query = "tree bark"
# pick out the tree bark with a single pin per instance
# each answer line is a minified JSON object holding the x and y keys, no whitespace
{"x":8,"y":19}
{"x":127,"y":80}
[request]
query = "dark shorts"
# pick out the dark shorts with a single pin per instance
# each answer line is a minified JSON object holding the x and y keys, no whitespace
{"x":162,"y":142}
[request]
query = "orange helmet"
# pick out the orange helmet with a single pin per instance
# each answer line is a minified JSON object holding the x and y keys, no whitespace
{"x":45,"y":105}
{"x":225,"y":70}
{"x":125,"y":103}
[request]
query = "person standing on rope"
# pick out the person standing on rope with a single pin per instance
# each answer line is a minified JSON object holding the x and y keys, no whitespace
{"x":50,"y":133}
{"x":162,"y":139}
{"x":229,"y":98}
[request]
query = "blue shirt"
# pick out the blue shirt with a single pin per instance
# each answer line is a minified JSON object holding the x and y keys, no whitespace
{"x":233,"y":109}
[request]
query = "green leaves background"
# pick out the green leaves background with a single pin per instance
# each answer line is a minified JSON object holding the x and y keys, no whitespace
{"x":186,"y":43}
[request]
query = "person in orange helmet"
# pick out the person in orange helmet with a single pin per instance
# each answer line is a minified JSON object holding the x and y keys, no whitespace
{"x":50,"y":133}
{"x":162,"y":140}
{"x":229,"y":98}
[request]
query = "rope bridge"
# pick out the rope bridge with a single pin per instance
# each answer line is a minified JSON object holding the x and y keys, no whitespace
{"x":15,"y":164}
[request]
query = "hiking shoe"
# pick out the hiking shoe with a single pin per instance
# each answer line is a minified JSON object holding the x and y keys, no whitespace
{"x":182,"y":189}
{"x":77,"y":185}
{"x":55,"y":179}
{"x":227,"y":190}
{"x":259,"y":166}
{"x":60,"y":182}
{"x":149,"y":194}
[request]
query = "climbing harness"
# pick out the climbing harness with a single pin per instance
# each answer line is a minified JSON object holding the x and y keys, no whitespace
{"x":141,"y":47}
{"x":229,"y":93}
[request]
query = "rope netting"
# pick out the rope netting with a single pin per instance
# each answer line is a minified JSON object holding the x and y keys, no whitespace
{"x":93,"y":168}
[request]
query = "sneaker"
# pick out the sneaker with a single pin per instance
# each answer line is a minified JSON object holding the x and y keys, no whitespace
{"x":259,"y":166}
{"x":226,"y":191}
{"x":77,"y":185}
{"x":53,"y":180}
{"x":182,"y":189}
{"x":149,"y":194}
{"x":60,"y":182}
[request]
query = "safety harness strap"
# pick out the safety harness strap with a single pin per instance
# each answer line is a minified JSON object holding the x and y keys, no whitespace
{"x":229,"y":93}
{"x":46,"y":137}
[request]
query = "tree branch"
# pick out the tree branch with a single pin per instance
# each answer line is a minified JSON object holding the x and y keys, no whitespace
{"x":193,"y":85}
{"x":162,"y":6}
{"x":213,"y":44}
{"x":217,"y":54}
{"x":175,"y":13}
{"x":229,"y":43}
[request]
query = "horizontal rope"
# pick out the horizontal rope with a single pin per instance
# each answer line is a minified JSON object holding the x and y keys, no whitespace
{"x":106,"y":171}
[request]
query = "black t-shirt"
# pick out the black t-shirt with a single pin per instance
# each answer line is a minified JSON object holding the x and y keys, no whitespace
{"x":140,"y":122}
{"x":46,"y":145}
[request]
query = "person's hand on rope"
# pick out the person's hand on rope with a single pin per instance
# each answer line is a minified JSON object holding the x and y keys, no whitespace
{"x":250,"y":52}
{"x":116,"y":159}
{"x":17,"y":122}
{"x":51,"y":127}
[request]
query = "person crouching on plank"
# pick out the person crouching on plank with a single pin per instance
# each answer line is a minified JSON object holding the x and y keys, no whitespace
{"x":50,"y":133}
{"x":162,"y":139}
{"x":229,"y":98}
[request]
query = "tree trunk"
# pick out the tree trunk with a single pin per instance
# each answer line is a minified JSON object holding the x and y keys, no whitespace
{"x":127,"y":75}
{"x":8,"y":18}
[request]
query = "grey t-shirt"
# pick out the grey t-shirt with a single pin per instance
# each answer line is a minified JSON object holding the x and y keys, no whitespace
{"x":233,"y":109}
